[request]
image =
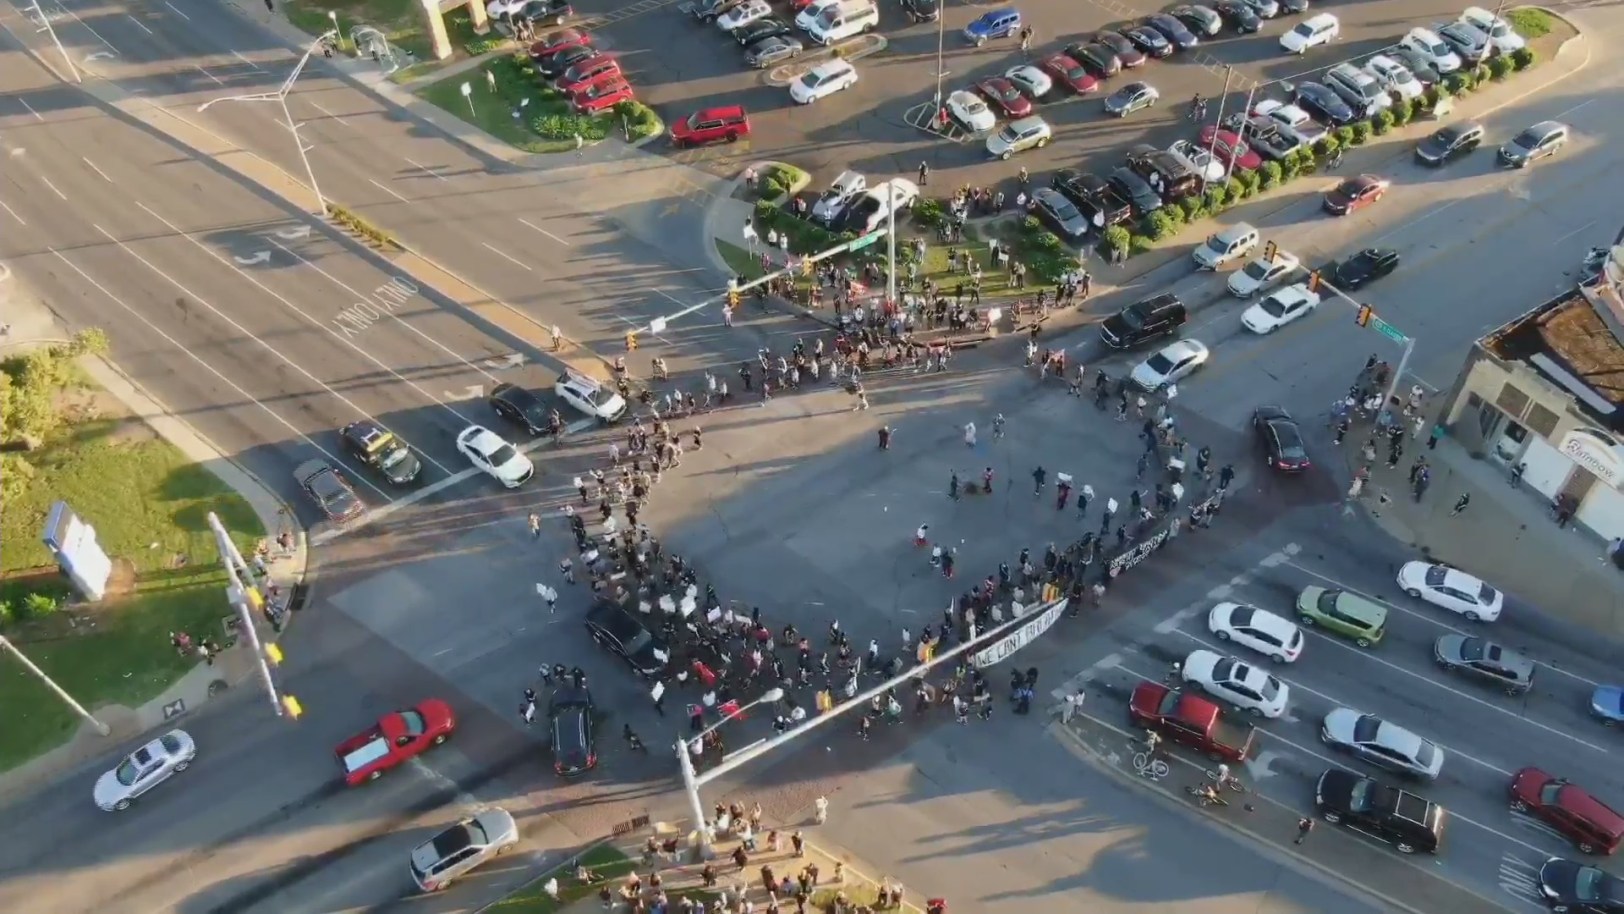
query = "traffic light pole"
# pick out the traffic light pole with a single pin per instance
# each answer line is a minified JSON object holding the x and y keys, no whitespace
{"x":243,"y":595}
{"x":1365,"y":315}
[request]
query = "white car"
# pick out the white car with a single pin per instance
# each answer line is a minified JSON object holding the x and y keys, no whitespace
{"x":1295,"y":121}
{"x":1245,"y":686}
{"x":493,"y":456}
{"x":1200,"y":160}
{"x":1501,"y":35}
{"x":1274,"y":636}
{"x":1432,"y":49}
{"x":1453,"y":589}
{"x":1170,"y":365}
{"x":1280,"y":308}
{"x":846,"y":187}
{"x":744,"y":14}
{"x":144,"y":769}
{"x":874,"y":207}
{"x":1395,"y":76}
{"x":496,"y":9}
{"x":590,"y":397}
{"x":1382,"y":744}
{"x":806,"y":17}
{"x":1030,"y":79}
{"x":970,"y":110}
{"x":823,"y":80}
{"x":1311,"y":32}
{"x":1262,"y":274}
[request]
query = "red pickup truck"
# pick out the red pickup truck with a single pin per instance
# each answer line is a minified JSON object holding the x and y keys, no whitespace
{"x":398,"y":736}
{"x":1190,"y":720}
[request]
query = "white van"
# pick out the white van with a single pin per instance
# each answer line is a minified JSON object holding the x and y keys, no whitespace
{"x":847,"y":19}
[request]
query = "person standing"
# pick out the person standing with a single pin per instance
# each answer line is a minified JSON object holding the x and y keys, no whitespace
{"x":820,"y":810}
{"x":535,"y":525}
{"x":885,"y":437}
{"x":550,"y":595}
{"x":1083,"y":498}
{"x":924,"y":173}
{"x":1304,"y":826}
{"x":1039,"y":477}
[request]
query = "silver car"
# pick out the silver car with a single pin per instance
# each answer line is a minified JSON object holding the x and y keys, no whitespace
{"x":1543,"y":139}
{"x":1486,"y":660}
{"x":439,"y":861}
{"x":770,"y":51}
{"x":1172,"y":364}
{"x":1381,"y":744}
{"x":144,"y":769}
{"x":1018,"y":136}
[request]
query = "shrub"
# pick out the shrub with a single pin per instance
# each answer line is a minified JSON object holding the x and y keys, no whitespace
{"x":1138,"y":244}
{"x":37,"y":606}
{"x":1529,"y":22}
{"x":1382,"y":122}
{"x":1522,"y":58}
{"x":1499,"y":67}
{"x":1403,"y":111}
{"x":1456,"y":83}
{"x":767,"y":214}
{"x":1116,"y":238}
{"x":1192,"y":208}
{"x":1344,"y":137}
{"x":770,"y":188}
{"x":6,"y":615}
{"x":481,"y":46}
{"x":1327,"y":145}
{"x":1361,"y":132}
{"x":1272,"y":172}
{"x":639,"y":120}
{"x":929,"y":213}
{"x":1045,"y":241}
{"x":1216,"y":198}
{"x":1235,"y":191}
{"x":1252,"y":181}
{"x":1160,"y":225}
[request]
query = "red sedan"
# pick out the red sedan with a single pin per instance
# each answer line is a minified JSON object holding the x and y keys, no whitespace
{"x":1068,"y":71}
{"x":397,"y":736}
{"x":587,"y":71}
{"x":1354,"y":193}
{"x":1002,"y":94}
{"x":602,"y":95}
{"x":1225,"y":143}
{"x":558,"y":41}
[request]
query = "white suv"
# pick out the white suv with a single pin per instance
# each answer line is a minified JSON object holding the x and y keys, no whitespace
{"x":1311,"y":32}
{"x":1431,"y":48}
{"x":590,"y":397}
{"x":823,"y":79}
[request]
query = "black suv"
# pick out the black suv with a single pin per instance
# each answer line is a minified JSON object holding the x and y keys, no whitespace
{"x":1094,"y":198}
{"x":522,"y":408}
{"x":1144,"y":321}
{"x":575,"y":749}
{"x":1408,"y":822}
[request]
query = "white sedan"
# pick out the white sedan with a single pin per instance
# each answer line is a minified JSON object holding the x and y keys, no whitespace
{"x":1269,"y":634}
{"x":970,"y":110}
{"x":493,"y":456}
{"x":744,"y":14}
{"x":1280,"y":308}
{"x":1262,"y":274}
{"x":1030,"y":79}
{"x":1245,"y":686}
{"x":144,"y":769}
{"x":1453,"y":589}
{"x":1169,"y":366}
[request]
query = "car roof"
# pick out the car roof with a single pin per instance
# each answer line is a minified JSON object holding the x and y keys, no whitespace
{"x":1360,"y":607}
{"x":1182,"y":348}
{"x":720,"y":112}
{"x":1398,"y":739}
{"x":1271,"y":622}
{"x":832,"y":68}
{"x":514,"y":394}
{"x":1028,"y":123}
{"x":312,"y":468}
{"x":481,"y":439}
{"x":1548,"y":127}
{"x":1582,"y":803}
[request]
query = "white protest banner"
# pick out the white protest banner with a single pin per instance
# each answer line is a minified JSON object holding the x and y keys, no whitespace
{"x":1020,"y":637}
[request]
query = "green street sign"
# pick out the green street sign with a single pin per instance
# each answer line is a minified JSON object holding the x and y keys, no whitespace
{"x":1387,"y":330}
{"x":864,"y":241}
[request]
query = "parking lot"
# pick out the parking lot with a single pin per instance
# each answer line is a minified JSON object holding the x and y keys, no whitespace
{"x":682,"y":65}
{"x":1486,"y":736}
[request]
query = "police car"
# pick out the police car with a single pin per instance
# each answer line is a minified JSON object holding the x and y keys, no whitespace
{"x":590,"y":397}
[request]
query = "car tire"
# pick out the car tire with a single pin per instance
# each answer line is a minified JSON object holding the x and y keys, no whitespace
{"x":1472,"y":617}
{"x":1585,"y":847}
{"x":182,"y":766}
{"x":1362,"y":642}
{"x":1446,"y":665}
{"x":732,"y":137}
{"x":1221,"y":635}
{"x":376,"y":773}
{"x":1278,"y":658}
{"x":1331,"y":817}
{"x":1043,"y":142}
{"x":1404,"y":847}
{"x":1255,"y":712}
{"x":1005,"y":156}
{"x":1306,"y":619}
{"x":1414,"y":592}
{"x":1519,"y":806}
{"x":121,"y":805}
{"x":440,"y":740}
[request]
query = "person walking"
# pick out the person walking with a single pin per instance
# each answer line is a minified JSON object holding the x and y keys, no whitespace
{"x":1083,"y":498}
{"x":633,"y":741}
{"x":970,"y":434}
{"x":549,"y":595}
{"x":820,"y":810}
{"x":1304,"y":826}
{"x":535,"y":525}
{"x":885,"y":437}
{"x":1460,"y":504}
{"x":924,"y":173}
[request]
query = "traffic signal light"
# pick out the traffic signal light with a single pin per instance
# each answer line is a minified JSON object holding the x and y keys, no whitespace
{"x":1365,"y":313}
{"x":292,"y":707}
{"x":631,"y":342}
{"x":1314,"y":281}
{"x":1270,"y":250}
{"x":732,"y":298}
{"x":806,"y":266}
{"x":273,"y":654}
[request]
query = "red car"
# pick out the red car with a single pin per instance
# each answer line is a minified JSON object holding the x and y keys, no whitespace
{"x":709,"y":125}
{"x":558,"y":41}
{"x":1353,"y":194}
{"x":1068,"y":71}
{"x":397,"y":737}
{"x":587,"y":71}
{"x":602,"y":95}
{"x":1225,"y":143}
{"x":1590,"y":824}
{"x":1002,"y":94}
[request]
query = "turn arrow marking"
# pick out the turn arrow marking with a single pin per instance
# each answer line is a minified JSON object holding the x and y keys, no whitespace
{"x":100,"y":55}
{"x":293,"y":234}
{"x":467,"y":393}
{"x":511,"y":360}
{"x":1258,"y":767}
{"x":258,"y":257}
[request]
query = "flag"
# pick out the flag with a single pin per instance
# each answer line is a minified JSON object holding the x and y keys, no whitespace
{"x":730,"y":710}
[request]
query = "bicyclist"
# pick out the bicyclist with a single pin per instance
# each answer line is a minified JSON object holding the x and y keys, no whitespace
{"x":1153,"y":741}
{"x":1223,"y":777}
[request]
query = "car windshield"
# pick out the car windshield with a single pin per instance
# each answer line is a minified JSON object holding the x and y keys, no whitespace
{"x":1270,"y":688}
{"x":1257,"y":270}
{"x":477,"y":833}
{"x":1240,"y":616}
{"x":1063,"y":210}
{"x":1426,"y":754}
{"x":1364,"y":729}
{"x":126,"y":772}
{"x":1486,"y":594}
{"x":1274,"y":306}
{"x":812,"y":80}
{"x":413,"y":722}
{"x":1132,"y":318}
{"x":1528,"y":139}
{"x":392,"y":457}
{"x":1327,"y":602}
{"x":1303,"y":30}
{"x":1587,"y":883}
{"x":1159,"y":363}
{"x":502,"y":455}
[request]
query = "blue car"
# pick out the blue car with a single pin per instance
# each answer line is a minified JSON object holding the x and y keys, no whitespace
{"x":1607,"y":703}
{"x":996,"y":24}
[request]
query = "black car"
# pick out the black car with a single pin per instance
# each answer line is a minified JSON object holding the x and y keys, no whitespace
{"x":1239,"y":15}
{"x":1409,"y":822}
{"x":1094,"y":198}
{"x":1282,"y":440}
{"x":1449,"y":143}
{"x":1579,"y":888}
{"x":378,"y":448}
{"x":522,"y":408}
{"x":1174,"y":31}
{"x":1122,"y":47}
{"x":621,"y":633}
{"x":1052,"y":207}
{"x":1149,"y":41}
{"x":1096,"y":58}
{"x":1324,"y":104}
{"x":1132,"y":187}
{"x":329,"y":490}
{"x":546,"y":12}
{"x":760,"y":30}
{"x":708,"y":10}
{"x":1144,"y":321}
{"x":1293,"y":6}
{"x":1419,"y":66}
{"x":855,"y":216}
{"x":553,"y":65}
{"x":1364,"y":267}
{"x":575,"y":748}
{"x":922,"y":10}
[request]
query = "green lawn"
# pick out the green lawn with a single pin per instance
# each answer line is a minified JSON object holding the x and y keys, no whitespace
{"x":606,"y":862}
{"x":1530,"y":23}
{"x":148,"y":504}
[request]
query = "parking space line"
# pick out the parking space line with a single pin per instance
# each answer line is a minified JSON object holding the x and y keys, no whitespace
{"x":544,"y":231}
{"x":1432,"y":620}
{"x":508,"y":257}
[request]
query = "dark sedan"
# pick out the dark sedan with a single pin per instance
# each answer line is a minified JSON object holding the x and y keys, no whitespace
{"x":1122,"y":47}
{"x":1239,"y":15}
{"x":1324,"y":104}
{"x":1449,"y":143}
{"x":522,"y":408}
{"x":1053,"y":208}
{"x":575,"y":748}
{"x":919,"y":10}
{"x":772,"y":51}
{"x":1282,"y":440}
{"x":329,"y":490}
{"x":1130,"y":186}
{"x":1174,"y":31}
{"x":1418,"y":65}
{"x":760,"y":30}
{"x":1579,"y":888}
{"x":1096,"y":58}
{"x":1354,"y":193}
{"x":1150,"y":41}
{"x":552,"y":65}
{"x":546,"y":12}
{"x":1094,"y":198}
{"x":378,"y":448}
{"x":621,"y":633}
{"x":1364,"y":268}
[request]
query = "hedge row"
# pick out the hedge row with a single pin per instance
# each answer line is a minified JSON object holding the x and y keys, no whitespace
{"x":359,"y":226}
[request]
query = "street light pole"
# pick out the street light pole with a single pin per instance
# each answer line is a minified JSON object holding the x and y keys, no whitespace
{"x":50,"y":683}
{"x":941,"y":66}
{"x":243,"y":594}
{"x":280,"y":96}
{"x":890,"y":244}
{"x":691,"y":782}
{"x":1229,"y":73}
{"x":1240,"y":135}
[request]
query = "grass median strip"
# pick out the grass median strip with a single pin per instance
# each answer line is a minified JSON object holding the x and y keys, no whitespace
{"x":607,"y":863}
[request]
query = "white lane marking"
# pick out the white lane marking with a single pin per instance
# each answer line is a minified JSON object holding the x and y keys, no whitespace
{"x":36,"y":114}
{"x":185,"y":350}
{"x":424,"y":168}
{"x":387,"y":191}
{"x":53,"y":188}
{"x":138,"y":23}
{"x":87,"y":28}
{"x":1433,"y":620}
{"x":176,"y":10}
{"x":7,"y":207}
{"x":544,"y":231}
{"x":1563,"y":114}
{"x":1339,"y":703}
{"x":314,"y":321}
{"x":217,"y":80}
{"x":318,"y":107}
{"x":251,"y":65}
{"x":509,"y":258}
{"x":1277,"y":738}
{"x":96,"y":169}
{"x":245,"y":332}
{"x":1556,"y":243}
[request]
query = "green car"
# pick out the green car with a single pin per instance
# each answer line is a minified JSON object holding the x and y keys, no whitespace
{"x":1347,"y":614}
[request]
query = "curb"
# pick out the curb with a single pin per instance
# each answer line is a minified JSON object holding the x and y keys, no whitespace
{"x":784,"y":74}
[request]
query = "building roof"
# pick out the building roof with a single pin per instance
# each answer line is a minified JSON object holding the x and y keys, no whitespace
{"x":1572,"y":346}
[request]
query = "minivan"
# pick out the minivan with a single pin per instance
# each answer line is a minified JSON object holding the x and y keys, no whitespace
{"x":1359,"y":89}
{"x":1144,"y":321}
{"x":844,"y":20}
{"x":1226,"y":245}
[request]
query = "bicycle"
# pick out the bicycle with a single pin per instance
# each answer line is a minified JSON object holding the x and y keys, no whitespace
{"x":1227,"y":781}
{"x":1150,"y":766}
{"x":1205,"y":794}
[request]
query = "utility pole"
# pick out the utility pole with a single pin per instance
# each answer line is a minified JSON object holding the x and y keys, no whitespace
{"x":891,"y":244}
{"x":1240,"y":135}
{"x":1229,"y":73}
{"x":50,"y":683}
{"x":244,"y":595}
{"x":941,"y":67}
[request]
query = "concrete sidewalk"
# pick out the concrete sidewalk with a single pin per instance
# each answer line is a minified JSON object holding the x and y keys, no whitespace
{"x":31,"y":321}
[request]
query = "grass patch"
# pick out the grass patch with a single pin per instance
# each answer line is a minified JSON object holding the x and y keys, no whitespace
{"x":522,"y":111}
{"x":148,"y":503}
{"x":740,"y":262}
{"x":1530,"y":23}
{"x":401,"y":21}
{"x":778,"y":180}
{"x":606,"y":862}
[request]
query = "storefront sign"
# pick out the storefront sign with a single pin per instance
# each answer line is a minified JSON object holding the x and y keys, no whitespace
{"x":1588,"y":450}
{"x":1020,"y":637}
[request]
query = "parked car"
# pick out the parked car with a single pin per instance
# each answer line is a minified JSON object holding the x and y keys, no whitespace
{"x":1098,"y":59}
{"x":1131,"y":98}
{"x":1311,"y":33}
{"x":1282,"y":440}
{"x":1408,"y":822}
{"x":1263,"y":274}
{"x":1172,"y":364}
{"x":1211,"y":168}
{"x":1453,"y":589}
{"x":1271,"y":635}
{"x":1438,"y":54}
{"x":558,"y":41}
{"x":1245,"y":686}
{"x":1174,"y":31}
{"x":1485,"y":660}
{"x":1340,"y":612}
{"x":1204,"y":21}
{"x":452,"y":853}
{"x":922,"y":10}
{"x":743,"y":14}
{"x":1266,"y":9}
{"x":846,"y":187}
{"x":148,"y":766}
{"x":1504,"y":38}
{"x":1363,"y":92}
{"x":1029,"y":79}
{"x":1069,"y":71}
{"x":1018,"y":136}
{"x":1132,"y":186}
{"x":772,"y":51}
{"x":1240,"y":15}
{"x":1447,"y":144}
{"x":871,"y":210}
{"x":1002,"y":93}
{"x":553,"y":65}
{"x":1472,"y":46}
{"x":589,"y":70}
{"x":1325,"y":104}
{"x":709,"y":10}
{"x":1094,"y":197}
{"x":823,"y":80}
{"x":546,"y":12}
{"x":760,"y":30}
{"x":1365,"y":267}
{"x":1279,"y":308}
{"x":1123,"y":47}
{"x":1592,"y":826}
{"x":602,"y":95}
{"x":1230,"y":148}
{"x":330,"y":491}
{"x":970,"y":111}
{"x":708,"y":125}
{"x":1381,"y":743}
{"x":1393,"y":76}
{"x":989,"y":26}
{"x":1545,"y":138}
{"x":1149,"y":41}
{"x":1354,"y":193}
{"x":1053,"y":208}
{"x":1419,"y":64}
